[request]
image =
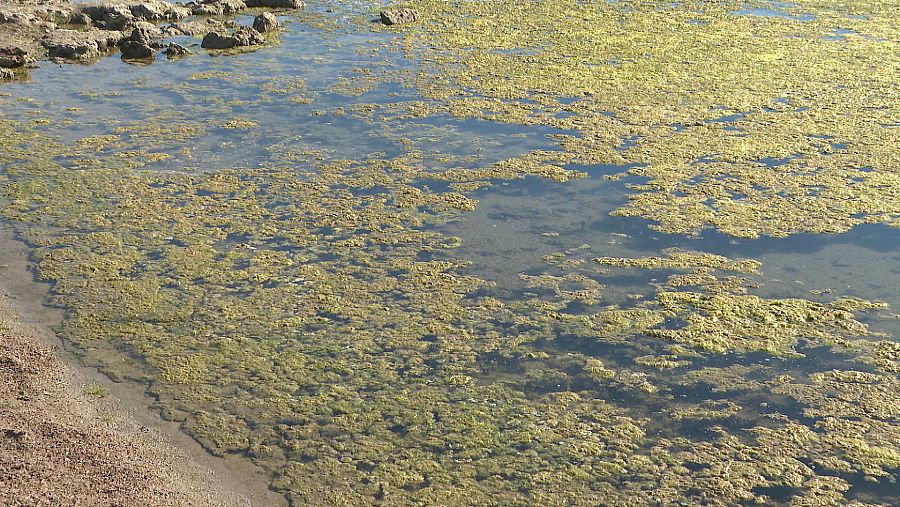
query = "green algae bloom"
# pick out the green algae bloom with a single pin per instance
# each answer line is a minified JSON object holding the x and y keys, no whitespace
{"x":313,"y":314}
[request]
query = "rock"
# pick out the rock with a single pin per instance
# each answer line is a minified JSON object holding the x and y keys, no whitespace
{"x":116,"y":18}
{"x":195,"y":27}
{"x":247,"y":36}
{"x":80,"y":45}
{"x":216,"y":7}
{"x":14,"y":57}
{"x":113,"y":12}
{"x":244,"y":36}
{"x":144,"y":33}
{"x":213,"y":40}
{"x":80,"y":18}
{"x":276,"y":4}
{"x":32,"y":13}
{"x":175,"y":50}
{"x":265,"y":22}
{"x":398,"y":16}
{"x":133,"y":50}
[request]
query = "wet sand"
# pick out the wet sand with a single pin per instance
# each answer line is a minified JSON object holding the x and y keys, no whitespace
{"x":69,"y":436}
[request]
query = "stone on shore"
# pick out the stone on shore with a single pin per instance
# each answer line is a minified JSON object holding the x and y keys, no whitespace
{"x":216,"y":7}
{"x":14,"y":57}
{"x":80,"y":45}
{"x":399,"y":16}
{"x":276,"y":4}
{"x":244,"y":36}
{"x":194,"y":27}
{"x":265,"y":22}
{"x":176,"y":50}
{"x":213,"y":40}
{"x":144,"y":33}
{"x":118,"y":14}
{"x":133,"y":50}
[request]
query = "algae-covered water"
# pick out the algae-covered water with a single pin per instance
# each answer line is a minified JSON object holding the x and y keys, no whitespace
{"x":514,"y":253}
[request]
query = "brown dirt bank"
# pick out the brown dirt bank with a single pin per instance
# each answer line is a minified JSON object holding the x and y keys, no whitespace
{"x":61,"y":444}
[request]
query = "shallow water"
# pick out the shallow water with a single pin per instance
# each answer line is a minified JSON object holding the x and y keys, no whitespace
{"x":316,"y":260}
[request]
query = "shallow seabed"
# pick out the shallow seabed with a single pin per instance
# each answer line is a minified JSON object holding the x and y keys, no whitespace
{"x":515,"y":253}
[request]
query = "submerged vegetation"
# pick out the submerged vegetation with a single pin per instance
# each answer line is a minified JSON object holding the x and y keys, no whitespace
{"x":314,"y":314}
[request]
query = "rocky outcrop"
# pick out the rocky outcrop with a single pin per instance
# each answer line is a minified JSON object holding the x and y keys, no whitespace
{"x":244,"y":36}
{"x":213,"y":40}
{"x":80,"y":18}
{"x":119,"y":15}
{"x":34,"y":14}
{"x":144,"y":33}
{"x":14,"y":57}
{"x":175,"y":50}
{"x":276,"y":4}
{"x":398,"y":16}
{"x":133,"y":50}
{"x":265,"y":22}
{"x":216,"y":7}
{"x":75,"y":45}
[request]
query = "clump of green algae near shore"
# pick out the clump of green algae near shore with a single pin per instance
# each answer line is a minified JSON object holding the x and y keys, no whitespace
{"x":317,"y":322}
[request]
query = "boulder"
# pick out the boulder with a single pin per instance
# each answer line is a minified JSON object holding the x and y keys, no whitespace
{"x":276,"y":4}
{"x":175,"y":50}
{"x":213,"y":40}
{"x":247,"y":36}
{"x":265,"y":22}
{"x":398,"y":16}
{"x":133,"y":50}
{"x":243,"y":36}
{"x":14,"y":57}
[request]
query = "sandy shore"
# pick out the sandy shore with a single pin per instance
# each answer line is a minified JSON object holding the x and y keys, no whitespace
{"x":60,"y":445}
{"x":68,"y":436}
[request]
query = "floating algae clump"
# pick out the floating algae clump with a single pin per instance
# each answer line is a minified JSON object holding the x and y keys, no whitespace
{"x":753,"y":125}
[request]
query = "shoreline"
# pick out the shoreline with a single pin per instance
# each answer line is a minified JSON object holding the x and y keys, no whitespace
{"x":68,"y":434}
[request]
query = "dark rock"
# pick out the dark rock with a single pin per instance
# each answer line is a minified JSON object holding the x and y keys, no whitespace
{"x":213,"y":40}
{"x":133,"y":50}
{"x":398,"y":16}
{"x":276,"y":4}
{"x":265,"y":22}
{"x":244,"y":36}
{"x":175,"y":50}
{"x":14,"y":57}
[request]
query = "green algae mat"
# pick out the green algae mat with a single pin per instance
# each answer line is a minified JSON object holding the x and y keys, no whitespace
{"x":514,"y":253}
